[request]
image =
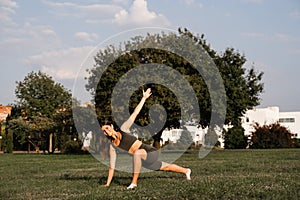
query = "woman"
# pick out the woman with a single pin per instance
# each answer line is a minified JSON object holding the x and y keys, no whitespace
{"x":143,"y":155}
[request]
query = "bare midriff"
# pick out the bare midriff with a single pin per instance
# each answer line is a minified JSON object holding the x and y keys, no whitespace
{"x":135,"y":146}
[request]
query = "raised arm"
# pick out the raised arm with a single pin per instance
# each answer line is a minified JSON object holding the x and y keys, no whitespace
{"x":127,"y":124}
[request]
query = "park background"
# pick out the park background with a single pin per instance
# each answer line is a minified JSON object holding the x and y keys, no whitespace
{"x":35,"y":47}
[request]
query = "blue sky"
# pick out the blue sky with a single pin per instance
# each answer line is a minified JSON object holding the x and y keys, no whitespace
{"x":56,"y":36}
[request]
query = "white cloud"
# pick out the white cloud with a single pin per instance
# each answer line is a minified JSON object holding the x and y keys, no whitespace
{"x":124,"y":2}
{"x":32,"y":33}
{"x":56,"y":4}
{"x":86,"y":37}
{"x":195,"y":3}
{"x":282,"y":37}
{"x":28,"y":39}
{"x":100,"y":9}
{"x":137,"y":15}
{"x":61,"y":64}
{"x":254,"y":35}
{"x":278,"y":37}
{"x":253,"y":1}
{"x":6,"y":11}
{"x":140,"y":15}
{"x":90,"y":12}
{"x":295,"y":14}
{"x":8,"y":3}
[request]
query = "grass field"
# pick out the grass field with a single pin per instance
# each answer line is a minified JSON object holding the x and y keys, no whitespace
{"x":223,"y":174}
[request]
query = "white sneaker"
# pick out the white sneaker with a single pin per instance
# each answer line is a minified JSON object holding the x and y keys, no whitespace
{"x":188,"y":174}
{"x":131,"y":186}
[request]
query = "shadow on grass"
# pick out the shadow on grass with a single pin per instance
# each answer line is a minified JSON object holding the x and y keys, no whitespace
{"x":120,"y":181}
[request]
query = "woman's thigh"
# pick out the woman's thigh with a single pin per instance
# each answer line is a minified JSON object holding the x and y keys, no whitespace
{"x":141,"y":153}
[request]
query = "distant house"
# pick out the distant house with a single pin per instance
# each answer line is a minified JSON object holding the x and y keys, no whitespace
{"x":270,"y":115}
{"x":260,"y":116}
{"x":4,"y":112}
{"x":291,"y":120}
{"x":173,"y":135}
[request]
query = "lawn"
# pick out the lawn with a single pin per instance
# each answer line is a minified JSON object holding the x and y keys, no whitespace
{"x":222,"y":174}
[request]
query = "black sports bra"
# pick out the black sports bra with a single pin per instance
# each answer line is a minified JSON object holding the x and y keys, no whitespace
{"x":127,"y":141}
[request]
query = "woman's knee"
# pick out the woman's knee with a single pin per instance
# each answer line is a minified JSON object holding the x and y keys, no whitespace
{"x":140,"y":153}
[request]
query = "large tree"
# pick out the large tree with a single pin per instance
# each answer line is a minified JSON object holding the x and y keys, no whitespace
{"x":242,"y":90}
{"x":242,"y":87}
{"x":45,"y":107}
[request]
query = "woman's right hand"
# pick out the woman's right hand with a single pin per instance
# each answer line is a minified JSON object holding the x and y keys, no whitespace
{"x":147,"y":93}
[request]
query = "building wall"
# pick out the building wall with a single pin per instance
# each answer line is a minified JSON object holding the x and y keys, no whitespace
{"x":270,"y":115}
{"x":261,"y":116}
{"x":291,"y":120}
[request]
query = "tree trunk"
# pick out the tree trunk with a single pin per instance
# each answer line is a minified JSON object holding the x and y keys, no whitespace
{"x":50,"y":142}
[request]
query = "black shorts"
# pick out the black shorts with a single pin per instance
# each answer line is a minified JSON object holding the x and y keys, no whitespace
{"x":151,"y":161}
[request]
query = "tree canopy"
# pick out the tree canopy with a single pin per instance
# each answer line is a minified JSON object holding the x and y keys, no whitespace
{"x":242,"y":86}
{"x":38,"y":94}
{"x":43,"y":106}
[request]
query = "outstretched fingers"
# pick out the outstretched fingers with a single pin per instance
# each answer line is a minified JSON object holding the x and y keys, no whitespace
{"x":147,"y":93}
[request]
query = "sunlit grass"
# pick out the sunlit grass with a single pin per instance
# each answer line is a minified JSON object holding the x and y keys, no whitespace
{"x":224,"y":174}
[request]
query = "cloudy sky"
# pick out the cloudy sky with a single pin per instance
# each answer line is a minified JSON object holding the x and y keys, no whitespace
{"x":57,"y":36}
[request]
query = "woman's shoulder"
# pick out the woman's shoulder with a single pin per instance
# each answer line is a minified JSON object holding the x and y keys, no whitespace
{"x":122,"y":131}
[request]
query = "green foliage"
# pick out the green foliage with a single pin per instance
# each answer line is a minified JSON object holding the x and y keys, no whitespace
{"x":235,"y":138}
{"x":71,"y":147}
{"x":84,"y":117}
{"x":20,"y":128}
{"x":296,"y":143}
{"x":122,"y":63}
{"x":7,"y":141}
{"x":242,"y":86}
{"x":271,"y":136}
{"x":43,"y":107}
{"x":38,"y":94}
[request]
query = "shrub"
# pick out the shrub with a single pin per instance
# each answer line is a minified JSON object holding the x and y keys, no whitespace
{"x":71,"y":147}
{"x":7,"y":141}
{"x":235,"y":138}
{"x":271,"y":136}
{"x":296,"y":143}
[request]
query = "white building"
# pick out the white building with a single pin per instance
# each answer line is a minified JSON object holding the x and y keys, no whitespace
{"x":270,"y":115}
{"x":291,"y":120}
{"x":171,"y":135}
{"x":174,"y":134}
{"x":260,"y":116}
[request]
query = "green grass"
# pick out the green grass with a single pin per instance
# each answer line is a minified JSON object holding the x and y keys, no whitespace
{"x":223,"y":174}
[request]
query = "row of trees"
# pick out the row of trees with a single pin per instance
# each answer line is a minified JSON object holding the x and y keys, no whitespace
{"x":43,"y":112}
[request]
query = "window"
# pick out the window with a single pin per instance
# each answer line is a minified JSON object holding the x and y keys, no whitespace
{"x":286,"y":120}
